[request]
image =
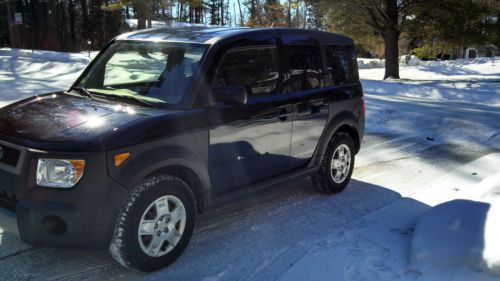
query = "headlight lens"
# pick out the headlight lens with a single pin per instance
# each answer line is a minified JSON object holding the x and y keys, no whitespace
{"x":59,"y":173}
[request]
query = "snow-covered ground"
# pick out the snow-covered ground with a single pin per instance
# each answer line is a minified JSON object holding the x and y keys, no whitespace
{"x":423,"y":203}
{"x":23,"y":73}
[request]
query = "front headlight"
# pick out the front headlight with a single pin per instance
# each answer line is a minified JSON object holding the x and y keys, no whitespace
{"x":59,"y":172}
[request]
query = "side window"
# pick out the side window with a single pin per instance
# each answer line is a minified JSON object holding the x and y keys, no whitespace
{"x":255,"y":68}
{"x":342,"y":64}
{"x":304,"y":68}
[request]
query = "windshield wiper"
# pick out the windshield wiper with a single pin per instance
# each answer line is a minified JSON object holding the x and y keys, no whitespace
{"x":128,"y":98}
{"x":83,"y":92}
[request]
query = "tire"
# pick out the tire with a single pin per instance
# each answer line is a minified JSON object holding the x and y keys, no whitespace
{"x":156,"y":204}
{"x":325,"y":180}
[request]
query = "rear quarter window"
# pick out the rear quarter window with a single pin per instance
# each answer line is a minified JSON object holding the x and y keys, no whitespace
{"x":304,"y":68}
{"x":342,"y":66}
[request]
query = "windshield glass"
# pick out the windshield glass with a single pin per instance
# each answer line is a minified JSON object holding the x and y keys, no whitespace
{"x":155,"y":72}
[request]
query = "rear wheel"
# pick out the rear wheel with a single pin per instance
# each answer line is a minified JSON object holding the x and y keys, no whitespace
{"x":337,"y":166}
{"x":155,"y":224}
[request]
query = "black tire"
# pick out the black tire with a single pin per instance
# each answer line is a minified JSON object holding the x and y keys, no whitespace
{"x":323,"y":180}
{"x":125,"y":247}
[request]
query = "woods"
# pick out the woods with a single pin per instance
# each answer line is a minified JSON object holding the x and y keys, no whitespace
{"x":382,"y":28}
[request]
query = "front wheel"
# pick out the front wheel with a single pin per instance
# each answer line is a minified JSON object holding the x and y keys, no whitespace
{"x":337,"y":166}
{"x":155,"y":224}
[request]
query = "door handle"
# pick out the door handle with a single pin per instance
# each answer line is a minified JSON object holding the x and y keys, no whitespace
{"x":283,"y":115}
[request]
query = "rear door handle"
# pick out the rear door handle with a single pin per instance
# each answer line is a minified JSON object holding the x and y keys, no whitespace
{"x":283,"y":115}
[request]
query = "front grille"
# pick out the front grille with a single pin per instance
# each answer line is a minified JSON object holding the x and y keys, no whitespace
{"x":11,"y":158}
{"x":9,"y":155}
{"x":8,"y":201}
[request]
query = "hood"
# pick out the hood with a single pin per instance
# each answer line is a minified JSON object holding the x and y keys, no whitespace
{"x":71,"y":121}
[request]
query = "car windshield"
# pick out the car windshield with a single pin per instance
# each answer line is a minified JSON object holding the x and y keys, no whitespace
{"x":152,"y":72}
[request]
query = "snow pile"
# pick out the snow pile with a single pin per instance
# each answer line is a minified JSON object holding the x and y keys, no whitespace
{"x":450,"y":239}
{"x":475,"y":92}
{"x":370,"y":63}
{"x":491,"y":251}
{"x":414,"y":61}
{"x":24,"y":73}
{"x":41,"y":55}
{"x":460,"y":239}
{"x":456,"y":70}
{"x":365,"y":63}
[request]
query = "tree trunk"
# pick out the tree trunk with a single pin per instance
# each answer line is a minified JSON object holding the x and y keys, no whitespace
{"x":221,"y":12}
{"x":86,"y":25}
{"x":253,"y":12}
{"x":141,"y":15}
{"x":297,"y":14}
{"x":241,"y":13}
{"x":289,"y":13}
{"x":391,"y":40}
{"x":149,"y":14}
{"x":72,"y":20}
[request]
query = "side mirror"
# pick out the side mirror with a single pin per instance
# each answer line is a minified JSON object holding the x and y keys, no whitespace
{"x":231,"y":94}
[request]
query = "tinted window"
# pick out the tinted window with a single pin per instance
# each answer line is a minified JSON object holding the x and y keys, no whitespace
{"x":304,"y":68}
{"x":342,"y":65}
{"x":254,"y":68}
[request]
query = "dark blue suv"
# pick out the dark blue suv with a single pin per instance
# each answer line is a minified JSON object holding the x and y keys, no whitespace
{"x":165,"y":123}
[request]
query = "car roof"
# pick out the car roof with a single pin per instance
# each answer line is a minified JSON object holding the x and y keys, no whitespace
{"x":212,"y":34}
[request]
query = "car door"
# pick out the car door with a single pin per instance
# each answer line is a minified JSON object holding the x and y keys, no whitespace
{"x":304,"y":82}
{"x":249,"y":143}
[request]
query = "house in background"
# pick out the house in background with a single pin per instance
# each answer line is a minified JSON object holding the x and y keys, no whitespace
{"x":481,"y":51}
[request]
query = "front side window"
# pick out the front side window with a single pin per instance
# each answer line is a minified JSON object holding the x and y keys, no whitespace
{"x":156,"y":72}
{"x":254,"y":68}
{"x":304,"y":68}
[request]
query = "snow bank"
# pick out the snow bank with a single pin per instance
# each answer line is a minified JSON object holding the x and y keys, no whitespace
{"x":370,"y":63}
{"x":491,"y":251}
{"x":24,"y":73}
{"x":449,"y":239}
{"x":414,"y":61}
{"x":81,"y":57}
{"x":456,"y":70}
{"x":459,"y":239}
{"x":405,"y":61}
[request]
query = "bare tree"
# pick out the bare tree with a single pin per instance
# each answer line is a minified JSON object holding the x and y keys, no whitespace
{"x":241,"y":13}
{"x":221,"y":12}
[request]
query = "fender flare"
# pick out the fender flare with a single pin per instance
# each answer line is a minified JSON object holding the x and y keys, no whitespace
{"x":344,"y":118}
{"x":162,"y":158}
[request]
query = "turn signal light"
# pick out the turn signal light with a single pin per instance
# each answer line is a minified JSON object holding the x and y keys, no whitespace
{"x":119,"y":158}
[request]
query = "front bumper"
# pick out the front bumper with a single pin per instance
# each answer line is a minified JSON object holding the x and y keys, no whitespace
{"x":8,"y":221}
{"x":80,"y":217}
{"x":59,"y":225}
